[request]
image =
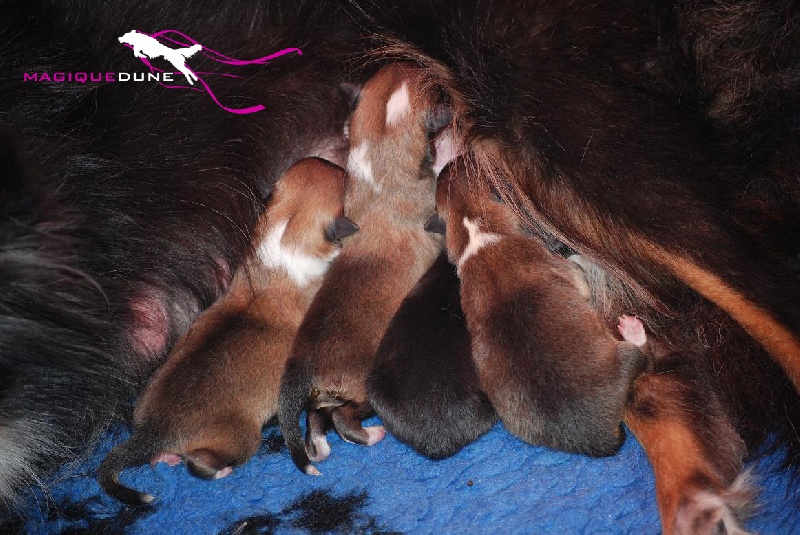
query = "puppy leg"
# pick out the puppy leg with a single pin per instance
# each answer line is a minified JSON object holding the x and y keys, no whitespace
{"x":694,"y":451}
{"x":207,"y":464}
{"x":318,"y":423}
{"x":347,"y":422}
{"x":227,"y":444}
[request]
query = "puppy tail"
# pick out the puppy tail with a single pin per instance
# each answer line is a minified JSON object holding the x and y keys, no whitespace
{"x":295,"y":387}
{"x":136,"y":451}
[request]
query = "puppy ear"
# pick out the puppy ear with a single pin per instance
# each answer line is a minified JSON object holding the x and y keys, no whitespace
{"x":340,"y":228}
{"x":435,"y":225}
{"x":351,"y":92}
{"x":440,"y":116}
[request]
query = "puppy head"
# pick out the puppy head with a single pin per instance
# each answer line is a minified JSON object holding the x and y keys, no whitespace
{"x":303,"y":228}
{"x":394,"y":120}
{"x":466,"y":204}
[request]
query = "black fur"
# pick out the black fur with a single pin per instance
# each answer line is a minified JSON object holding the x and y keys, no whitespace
{"x":424,"y":386}
{"x":144,"y":200}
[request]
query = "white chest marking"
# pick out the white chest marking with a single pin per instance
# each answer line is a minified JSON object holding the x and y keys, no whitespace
{"x":301,"y":268}
{"x":477,"y":240}
{"x":359,"y":166}
{"x":398,"y":106}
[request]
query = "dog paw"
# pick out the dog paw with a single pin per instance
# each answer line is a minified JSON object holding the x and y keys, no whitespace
{"x":225,"y":472}
{"x":375,"y":434}
{"x":632,"y":330}
{"x":706,"y":513}
{"x":321,"y":449}
{"x":172,"y":459}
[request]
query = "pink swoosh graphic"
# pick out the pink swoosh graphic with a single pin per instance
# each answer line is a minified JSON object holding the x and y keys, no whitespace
{"x":217,"y":57}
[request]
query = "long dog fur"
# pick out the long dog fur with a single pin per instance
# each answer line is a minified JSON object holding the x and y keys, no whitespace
{"x":657,"y":138}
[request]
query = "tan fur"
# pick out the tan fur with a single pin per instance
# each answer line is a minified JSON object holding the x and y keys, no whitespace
{"x":220,"y":385}
{"x":336,"y":344}
{"x":604,"y":241}
{"x":695,"y":494}
{"x":775,"y":337}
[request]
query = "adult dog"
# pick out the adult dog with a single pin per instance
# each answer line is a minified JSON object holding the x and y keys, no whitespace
{"x":656,"y":138}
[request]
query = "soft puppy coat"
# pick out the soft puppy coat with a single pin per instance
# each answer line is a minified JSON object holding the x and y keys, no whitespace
{"x":208,"y":402}
{"x":425,"y":386}
{"x":390,"y":196}
{"x":545,"y":358}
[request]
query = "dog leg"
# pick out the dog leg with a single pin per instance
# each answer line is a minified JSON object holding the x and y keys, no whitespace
{"x":695,"y":453}
{"x":318,"y":423}
{"x":348,"y":424}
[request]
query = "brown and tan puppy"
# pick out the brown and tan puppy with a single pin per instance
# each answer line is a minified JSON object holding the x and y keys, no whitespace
{"x":390,"y":196}
{"x":208,"y":402}
{"x":552,"y":370}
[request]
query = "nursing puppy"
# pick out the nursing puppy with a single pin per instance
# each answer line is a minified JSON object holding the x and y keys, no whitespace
{"x":136,"y":216}
{"x":390,"y":196}
{"x":425,"y":386}
{"x":208,"y":402}
{"x":120,"y":231}
{"x":546,"y":359}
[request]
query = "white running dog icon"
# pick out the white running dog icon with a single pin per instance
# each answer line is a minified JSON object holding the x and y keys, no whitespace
{"x":146,"y":46}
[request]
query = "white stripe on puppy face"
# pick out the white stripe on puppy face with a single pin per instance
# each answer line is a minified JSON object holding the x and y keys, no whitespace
{"x":300,"y":267}
{"x":359,"y":166}
{"x":398,"y":106}
{"x":477,"y":240}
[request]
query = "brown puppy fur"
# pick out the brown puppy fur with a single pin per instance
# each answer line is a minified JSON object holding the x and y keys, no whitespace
{"x":209,"y":401}
{"x":546,"y":359}
{"x":390,"y":196}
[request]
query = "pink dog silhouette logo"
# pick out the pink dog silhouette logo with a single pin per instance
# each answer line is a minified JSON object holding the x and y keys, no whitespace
{"x":160,"y":45}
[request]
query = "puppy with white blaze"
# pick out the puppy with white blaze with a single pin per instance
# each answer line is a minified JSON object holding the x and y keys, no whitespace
{"x":655,"y":138}
{"x":116,"y":234}
{"x":208,"y":402}
{"x":547,"y":361}
{"x":390,"y":195}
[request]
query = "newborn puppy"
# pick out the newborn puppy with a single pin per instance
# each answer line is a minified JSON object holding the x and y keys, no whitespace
{"x":551,"y":369}
{"x":425,"y":386}
{"x":390,"y":195}
{"x":208,"y":402}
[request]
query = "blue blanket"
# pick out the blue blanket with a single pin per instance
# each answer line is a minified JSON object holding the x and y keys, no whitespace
{"x":498,"y":484}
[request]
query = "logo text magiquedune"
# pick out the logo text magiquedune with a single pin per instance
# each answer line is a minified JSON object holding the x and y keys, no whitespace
{"x":98,"y":77}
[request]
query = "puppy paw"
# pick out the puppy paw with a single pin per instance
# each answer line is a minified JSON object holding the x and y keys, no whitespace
{"x":207,"y":464}
{"x":632,"y":330}
{"x":225,"y":472}
{"x":321,"y":450}
{"x":171,"y":459}
{"x":375,"y":434}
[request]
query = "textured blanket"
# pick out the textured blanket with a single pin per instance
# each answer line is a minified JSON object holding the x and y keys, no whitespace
{"x":497,"y":484}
